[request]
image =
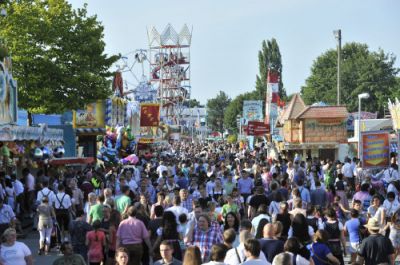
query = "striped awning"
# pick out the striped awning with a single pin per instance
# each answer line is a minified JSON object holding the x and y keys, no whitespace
{"x":90,"y":130}
{"x":11,"y":133}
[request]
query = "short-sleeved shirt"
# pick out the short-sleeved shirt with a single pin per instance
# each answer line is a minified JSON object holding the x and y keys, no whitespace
{"x":226,"y":208}
{"x":95,"y":251}
{"x":96,"y":212}
{"x":15,"y":254}
{"x":376,"y":249}
{"x":6,"y":214}
{"x":353,"y":229}
{"x":122,"y":202}
{"x":320,"y":250}
{"x":132,"y":231}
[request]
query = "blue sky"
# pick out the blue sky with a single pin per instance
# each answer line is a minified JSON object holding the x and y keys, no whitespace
{"x":227,"y":35}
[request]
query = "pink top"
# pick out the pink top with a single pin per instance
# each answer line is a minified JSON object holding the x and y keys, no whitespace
{"x":132,"y":231}
{"x":96,"y":239}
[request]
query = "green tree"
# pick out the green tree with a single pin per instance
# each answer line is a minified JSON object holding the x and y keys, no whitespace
{"x":193,"y":103}
{"x":269,"y":57}
{"x":215,"y":111}
{"x":361,"y":71}
{"x":58,"y":55}
{"x":235,"y":108}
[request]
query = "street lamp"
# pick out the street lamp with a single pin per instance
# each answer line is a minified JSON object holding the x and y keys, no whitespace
{"x":360,"y":97}
{"x":338,"y":36}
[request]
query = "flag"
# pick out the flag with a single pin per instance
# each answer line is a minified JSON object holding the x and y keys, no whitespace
{"x":149,"y":114}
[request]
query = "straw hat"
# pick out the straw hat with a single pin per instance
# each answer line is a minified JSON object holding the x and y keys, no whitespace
{"x":373,"y":224}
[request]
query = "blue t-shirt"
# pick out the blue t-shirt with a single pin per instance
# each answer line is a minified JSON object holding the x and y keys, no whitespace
{"x":320,"y":250}
{"x":353,"y":229}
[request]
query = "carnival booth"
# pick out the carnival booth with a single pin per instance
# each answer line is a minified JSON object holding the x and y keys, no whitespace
{"x":22,"y":145}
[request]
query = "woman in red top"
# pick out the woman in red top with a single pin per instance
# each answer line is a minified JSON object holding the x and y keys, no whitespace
{"x":96,"y":241}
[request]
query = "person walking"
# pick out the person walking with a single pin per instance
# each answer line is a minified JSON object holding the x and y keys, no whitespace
{"x":121,"y":256}
{"x":45,"y":225}
{"x":131,"y":234}
{"x":62,"y":207}
{"x":78,"y":229}
{"x":13,"y":252}
{"x":68,"y":256}
{"x":376,"y":248}
{"x":96,"y":241}
{"x":167,"y":251}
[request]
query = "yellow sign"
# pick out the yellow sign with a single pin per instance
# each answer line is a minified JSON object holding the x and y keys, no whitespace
{"x":90,"y":117}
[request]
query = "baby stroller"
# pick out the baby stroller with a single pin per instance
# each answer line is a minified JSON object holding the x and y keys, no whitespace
{"x":55,"y":237}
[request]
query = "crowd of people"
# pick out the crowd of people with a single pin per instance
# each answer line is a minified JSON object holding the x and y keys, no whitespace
{"x":209,"y":203}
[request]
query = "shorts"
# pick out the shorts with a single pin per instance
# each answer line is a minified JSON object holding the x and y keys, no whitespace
{"x":62,"y":216}
{"x":354,"y":247}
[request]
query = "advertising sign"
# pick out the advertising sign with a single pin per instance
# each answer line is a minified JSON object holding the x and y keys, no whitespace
{"x":257,"y":128}
{"x":253,"y":110}
{"x":149,"y":114}
{"x":115,"y":114}
{"x":375,"y":149}
{"x":8,"y":94}
{"x":90,"y":117}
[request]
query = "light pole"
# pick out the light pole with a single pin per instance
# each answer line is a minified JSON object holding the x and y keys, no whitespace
{"x":360,"y":97}
{"x":239,"y":123}
{"x":338,"y":36}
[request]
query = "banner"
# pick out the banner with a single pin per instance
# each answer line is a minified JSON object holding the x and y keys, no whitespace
{"x":257,"y":128}
{"x":394,"y":109}
{"x":253,"y":110}
{"x":149,"y":114}
{"x":116,"y":112}
{"x":133,"y":116}
{"x":91,"y":117}
{"x":375,"y":149}
{"x":8,"y":94}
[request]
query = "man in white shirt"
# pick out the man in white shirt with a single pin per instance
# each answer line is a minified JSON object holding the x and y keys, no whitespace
{"x":177,"y":209}
{"x":30,"y":188}
{"x":347,"y":171}
{"x":161,"y":168}
{"x":390,"y":174}
{"x":46,"y":192}
{"x":236,"y":256}
{"x":62,"y":207}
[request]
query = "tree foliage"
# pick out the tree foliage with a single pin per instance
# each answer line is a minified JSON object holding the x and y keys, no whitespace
{"x":269,"y":57}
{"x":193,"y":103}
{"x":361,"y":71}
{"x":235,"y":108}
{"x":215,"y":111}
{"x":58,"y":55}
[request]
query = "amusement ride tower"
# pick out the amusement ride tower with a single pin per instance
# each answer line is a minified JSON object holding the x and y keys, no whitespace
{"x":169,"y":55}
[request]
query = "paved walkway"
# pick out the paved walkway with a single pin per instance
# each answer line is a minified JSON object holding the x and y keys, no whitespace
{"x":32,"y":240}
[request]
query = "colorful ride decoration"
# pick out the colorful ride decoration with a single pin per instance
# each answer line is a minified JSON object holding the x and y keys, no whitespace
{"x":8,"y":93}
{"x":117,"y":144}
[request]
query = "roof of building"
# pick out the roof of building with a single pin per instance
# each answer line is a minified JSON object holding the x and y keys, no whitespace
{"x":294,"y":108}
{"x":313,"y":112}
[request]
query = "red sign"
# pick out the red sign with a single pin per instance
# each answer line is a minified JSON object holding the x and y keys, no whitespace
{"x":257,"y":128}
{"x":149,"y":115}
